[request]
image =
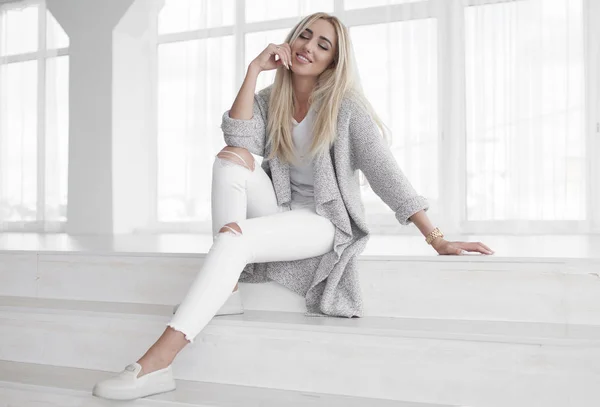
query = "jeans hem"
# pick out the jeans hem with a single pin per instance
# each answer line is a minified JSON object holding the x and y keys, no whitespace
{"x":187,"y":337}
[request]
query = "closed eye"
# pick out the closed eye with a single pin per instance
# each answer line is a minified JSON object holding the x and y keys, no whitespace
{"x":306,"y":38}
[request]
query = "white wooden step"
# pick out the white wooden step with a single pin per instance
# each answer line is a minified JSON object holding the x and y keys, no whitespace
{"x":443,"y":287}
{"x":473,"y":363}
{"x":31,"y":385}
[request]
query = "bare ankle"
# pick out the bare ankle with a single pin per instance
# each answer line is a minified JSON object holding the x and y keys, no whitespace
{"x":151,"y":364}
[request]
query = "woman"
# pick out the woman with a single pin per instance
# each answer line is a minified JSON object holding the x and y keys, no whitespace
{"x":297,"y":219}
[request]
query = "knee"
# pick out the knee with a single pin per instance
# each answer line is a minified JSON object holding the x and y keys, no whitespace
{"x":231,"y":227}
{"x":234,"y":153}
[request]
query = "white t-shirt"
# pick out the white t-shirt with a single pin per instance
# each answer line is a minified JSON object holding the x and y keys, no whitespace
{"x":301,"y":176}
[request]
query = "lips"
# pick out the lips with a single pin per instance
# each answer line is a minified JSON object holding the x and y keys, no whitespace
{"x":303,"y":58}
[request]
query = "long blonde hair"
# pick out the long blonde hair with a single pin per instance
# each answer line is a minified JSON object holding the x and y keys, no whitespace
{"x":332,"y":86}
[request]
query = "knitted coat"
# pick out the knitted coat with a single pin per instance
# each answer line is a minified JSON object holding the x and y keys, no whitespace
{"x":330,"y":282}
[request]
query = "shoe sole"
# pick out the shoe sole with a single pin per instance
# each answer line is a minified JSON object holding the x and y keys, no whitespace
{"x":128,"y":395}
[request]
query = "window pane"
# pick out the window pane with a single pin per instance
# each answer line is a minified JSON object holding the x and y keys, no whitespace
{"x":57,"y":137}
{"x":255,"y":44}
{"x":196,"y":85}
{"x":55,"y":35}
{"x":525,"y":111}
{"x":18,"y":142}
{"x":354,"y":4}
{"x":19,"y":33}
{"x":187,"y":15}
{"x":398,"y":68}
{"x":263,"y":10}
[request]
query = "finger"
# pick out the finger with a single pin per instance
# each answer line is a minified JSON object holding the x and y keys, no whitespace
{"x":470,"y":246}
{"x":283,"y":56}
{"x":278,"y":50}
{"x":480,"y":247}
{"x":486,"y":247}
{"x":272,"y":49}
{"x":483,"y":249}
{"x":275,"y":57}
{"x":454,"y":250}
{"x":464,"y":247}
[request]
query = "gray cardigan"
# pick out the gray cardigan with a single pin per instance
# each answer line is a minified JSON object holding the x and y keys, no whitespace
{"x":330,"y":282}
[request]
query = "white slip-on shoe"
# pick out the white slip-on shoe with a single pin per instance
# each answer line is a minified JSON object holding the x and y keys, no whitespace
{"x":232,"y":306}
{"x":128,"y":386}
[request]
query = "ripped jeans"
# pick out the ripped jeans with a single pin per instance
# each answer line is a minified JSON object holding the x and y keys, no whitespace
{"x":269,"y":233}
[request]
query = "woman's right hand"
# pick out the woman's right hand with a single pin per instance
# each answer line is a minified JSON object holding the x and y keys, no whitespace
{"x":265,"y":61}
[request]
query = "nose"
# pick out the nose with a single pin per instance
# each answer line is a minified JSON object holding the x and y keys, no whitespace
{"x":308,"y":52}
{"x":308,"y":46}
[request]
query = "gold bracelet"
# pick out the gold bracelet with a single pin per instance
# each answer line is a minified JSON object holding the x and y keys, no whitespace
{"x":435,"y":233}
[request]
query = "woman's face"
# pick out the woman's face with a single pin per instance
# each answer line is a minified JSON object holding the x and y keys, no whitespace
{"x":313,"y":50}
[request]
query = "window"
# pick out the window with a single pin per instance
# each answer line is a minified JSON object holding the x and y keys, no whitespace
{"x":33,"y":119}
{"x":188,"y":15}
{"x":525,"y":111}
{"x":361,"y":4}
{"x":265,"y":10}
{"x":197,"y":71}
{"x":404,"y":92}
{"x":484,"y":99}
{"x":189,"y":118}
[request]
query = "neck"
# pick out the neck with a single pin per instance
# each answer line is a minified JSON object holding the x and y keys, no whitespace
{"x":302,"y":87}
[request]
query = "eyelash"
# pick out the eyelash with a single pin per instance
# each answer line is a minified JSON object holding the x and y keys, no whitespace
{"x":306,"y":38}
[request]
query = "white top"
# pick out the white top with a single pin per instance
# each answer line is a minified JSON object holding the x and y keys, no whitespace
{"x":301,"y":176}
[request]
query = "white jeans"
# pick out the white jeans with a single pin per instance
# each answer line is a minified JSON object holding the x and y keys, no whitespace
{"x":268,"y":234}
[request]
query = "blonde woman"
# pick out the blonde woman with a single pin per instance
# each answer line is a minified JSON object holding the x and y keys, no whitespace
{"x":298,"y":218}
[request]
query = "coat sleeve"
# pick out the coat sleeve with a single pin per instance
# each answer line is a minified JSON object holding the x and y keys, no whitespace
{"x":374,"y":158}
{"x":249,"y":134}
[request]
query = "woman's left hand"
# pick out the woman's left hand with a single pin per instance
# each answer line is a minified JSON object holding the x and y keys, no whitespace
{"x":445,"y":247}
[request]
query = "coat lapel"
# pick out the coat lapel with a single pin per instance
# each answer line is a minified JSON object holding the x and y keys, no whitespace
{"x":325,"y":183}
{"x":280,"y":174}
{"x":324,"y":179}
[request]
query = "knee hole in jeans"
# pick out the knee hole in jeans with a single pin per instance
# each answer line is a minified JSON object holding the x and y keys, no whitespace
{"x":232,"y":228}
{"x":236,"y":159}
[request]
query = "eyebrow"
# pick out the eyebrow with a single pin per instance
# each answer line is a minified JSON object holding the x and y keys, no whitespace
{"x":325,"y":38}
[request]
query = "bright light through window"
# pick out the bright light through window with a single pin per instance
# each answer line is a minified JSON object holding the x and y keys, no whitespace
{"x":525,"y":111}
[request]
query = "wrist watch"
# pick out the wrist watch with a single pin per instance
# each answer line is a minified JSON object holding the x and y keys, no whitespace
{"x":435,"y":233}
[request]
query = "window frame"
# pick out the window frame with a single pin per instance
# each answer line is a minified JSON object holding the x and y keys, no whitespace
{"x":41,"y":55}
{"x":591,"y":9}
